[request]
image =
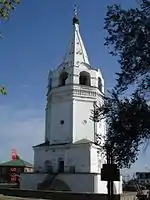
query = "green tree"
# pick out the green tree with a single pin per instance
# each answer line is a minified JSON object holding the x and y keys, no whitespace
{"x":6,"y":6}
{"x":128,"y":118}
{"x":2,"y":90}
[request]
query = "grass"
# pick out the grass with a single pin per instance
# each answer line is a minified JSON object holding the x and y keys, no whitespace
{"x":7,"y":185}
{"x":2,"y":197}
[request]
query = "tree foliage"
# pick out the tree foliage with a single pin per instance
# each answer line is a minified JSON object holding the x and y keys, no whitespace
{"x":129,"y":35}
{"x":128,"y":123}
{"x":128,"y":118}
{"x":6,"y":6}
{"x":2,"y":91}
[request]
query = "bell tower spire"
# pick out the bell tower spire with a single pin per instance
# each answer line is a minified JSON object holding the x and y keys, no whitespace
{"x":75,"y":18}
{"x":76,"y":53}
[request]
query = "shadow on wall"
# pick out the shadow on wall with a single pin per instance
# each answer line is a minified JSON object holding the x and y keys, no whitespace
{"x":53,"y":184}
{"x":59,"y":185}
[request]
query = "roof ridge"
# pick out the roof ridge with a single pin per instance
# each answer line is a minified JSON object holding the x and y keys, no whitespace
{"x":17,"y":162}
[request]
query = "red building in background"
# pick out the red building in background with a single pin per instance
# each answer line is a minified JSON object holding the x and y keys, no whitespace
{"x":10,"y":170}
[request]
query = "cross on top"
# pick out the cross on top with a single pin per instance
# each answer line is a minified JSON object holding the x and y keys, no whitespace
{"x":75,"y":11}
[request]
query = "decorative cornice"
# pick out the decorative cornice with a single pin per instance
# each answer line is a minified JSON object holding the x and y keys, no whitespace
{"x":69,"y":94}
{"x":85,"y":93}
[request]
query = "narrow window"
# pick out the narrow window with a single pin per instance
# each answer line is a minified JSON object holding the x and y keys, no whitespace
{"x":100,"y":84}
{"x":61,"y":166}
{"x":62,"y":79}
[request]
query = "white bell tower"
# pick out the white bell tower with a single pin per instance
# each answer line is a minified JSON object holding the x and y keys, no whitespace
{"x":70,"y":159}
{"x":72,"y":90}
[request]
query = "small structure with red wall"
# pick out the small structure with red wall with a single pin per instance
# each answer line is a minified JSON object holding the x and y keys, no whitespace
{"x":10,"y":171}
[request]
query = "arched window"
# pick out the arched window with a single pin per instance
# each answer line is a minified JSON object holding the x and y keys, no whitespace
{"x":100,"y":84}
{"x":63,"y":77}
{"x":85,"y":78}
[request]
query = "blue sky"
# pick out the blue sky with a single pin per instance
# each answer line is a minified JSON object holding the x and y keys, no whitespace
{"x":35,"y":41}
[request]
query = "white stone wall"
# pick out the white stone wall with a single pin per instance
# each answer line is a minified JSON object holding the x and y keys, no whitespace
{"x":83,"y":126}
{"x":72,"y":103}
{"x":84,"y":157}
{"x":29,"y":181}
{"x":60,"y":112}
{"x":58,"y":108}
{"x":96,"y":161}
{"x":77,"y":182}
{"x":101,"y":186}
{"x":75,"y":155}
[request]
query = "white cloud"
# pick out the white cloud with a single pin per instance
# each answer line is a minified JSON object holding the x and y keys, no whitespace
{"x":20,"y":129}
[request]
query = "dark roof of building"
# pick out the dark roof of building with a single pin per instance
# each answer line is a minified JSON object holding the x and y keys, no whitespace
{"x":16,"y":163}
{"x":42,"y":144}
{"x":83,"y":141}
{"x":48,"y":144}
